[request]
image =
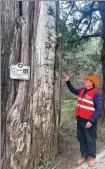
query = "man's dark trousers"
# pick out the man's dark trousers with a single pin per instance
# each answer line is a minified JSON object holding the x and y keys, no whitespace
{"x":87,"y":138}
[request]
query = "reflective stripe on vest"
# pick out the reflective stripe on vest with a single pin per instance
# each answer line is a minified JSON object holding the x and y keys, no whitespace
{"x":85,"y":100}
{"x":85,"y":107}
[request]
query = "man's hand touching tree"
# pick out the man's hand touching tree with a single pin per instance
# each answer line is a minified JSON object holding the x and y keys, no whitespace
{"x":66,"y":77}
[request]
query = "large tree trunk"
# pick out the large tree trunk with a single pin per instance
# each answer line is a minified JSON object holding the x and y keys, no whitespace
{"x":30,"y":109}
{"x":102,"y":13}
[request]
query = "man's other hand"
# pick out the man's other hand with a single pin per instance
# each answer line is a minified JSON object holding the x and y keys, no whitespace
{"x":88,"y":125}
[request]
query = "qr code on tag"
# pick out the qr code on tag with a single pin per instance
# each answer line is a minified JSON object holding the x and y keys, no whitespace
{"x":25,"y":71}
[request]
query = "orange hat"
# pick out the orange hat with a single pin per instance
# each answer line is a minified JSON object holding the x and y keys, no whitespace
{"x":93,"y":78}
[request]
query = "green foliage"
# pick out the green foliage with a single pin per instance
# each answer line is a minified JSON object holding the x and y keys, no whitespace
{"x":68,"y":109}
{"x":77,"y":20}
{"x":84,"y":58}
{"x":46,"y":165}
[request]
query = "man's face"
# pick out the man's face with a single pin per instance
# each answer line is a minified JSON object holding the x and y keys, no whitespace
{"x":88,"y":83}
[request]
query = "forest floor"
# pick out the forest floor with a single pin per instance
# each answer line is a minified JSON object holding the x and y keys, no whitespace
{"x":69,"y":146}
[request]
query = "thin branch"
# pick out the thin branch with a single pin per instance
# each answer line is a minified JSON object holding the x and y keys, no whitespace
{"x":57,"y":165}
{"x":99,"y":29}
{"x":77,"y":26}
{"x":85,"y":37}
{"x":82,"y":11}
{"x":70,"y":11}
{"x":90,"y":19}
{"x":94,"y":10}
{"x":84,"y":16}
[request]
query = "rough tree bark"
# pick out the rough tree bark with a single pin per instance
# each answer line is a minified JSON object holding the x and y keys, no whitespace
{"x":30,"y":109}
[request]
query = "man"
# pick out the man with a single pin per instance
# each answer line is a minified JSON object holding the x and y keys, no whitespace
{"x":87,"y":112}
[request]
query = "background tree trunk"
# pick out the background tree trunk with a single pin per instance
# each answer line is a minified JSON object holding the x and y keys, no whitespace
{"x":103,"y":70}
{"x":102,"y":13}
{"x":30,"y":109}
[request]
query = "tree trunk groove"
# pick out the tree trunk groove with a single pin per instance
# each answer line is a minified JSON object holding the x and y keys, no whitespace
{"x":30,"y":109}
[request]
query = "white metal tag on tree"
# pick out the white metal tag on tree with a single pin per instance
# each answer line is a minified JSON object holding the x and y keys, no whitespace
{"x":20,"y":72}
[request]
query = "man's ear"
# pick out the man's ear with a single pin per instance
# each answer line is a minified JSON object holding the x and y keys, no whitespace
{"x":92,"y":82}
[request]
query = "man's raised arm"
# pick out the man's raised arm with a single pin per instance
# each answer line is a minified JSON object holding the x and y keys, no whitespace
{"x":70,"y":86}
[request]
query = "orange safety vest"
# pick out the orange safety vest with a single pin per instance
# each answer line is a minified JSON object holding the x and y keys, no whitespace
{"x":85,"y":107}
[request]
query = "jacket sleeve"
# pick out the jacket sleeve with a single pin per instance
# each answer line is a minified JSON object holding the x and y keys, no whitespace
{"x":72,"y":89}
{"x":98,"y":107}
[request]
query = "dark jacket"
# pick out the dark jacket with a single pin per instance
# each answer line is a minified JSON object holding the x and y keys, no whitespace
{"x":97,"y":101}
